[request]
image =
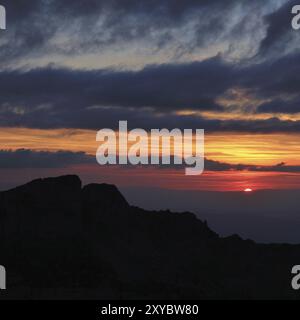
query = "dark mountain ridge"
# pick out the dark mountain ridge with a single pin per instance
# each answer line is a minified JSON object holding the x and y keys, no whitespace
{"x":61,"y":240}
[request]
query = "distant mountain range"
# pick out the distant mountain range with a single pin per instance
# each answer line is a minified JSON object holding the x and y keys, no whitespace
{"x":265,"y":216}
{"x":59,"y":240}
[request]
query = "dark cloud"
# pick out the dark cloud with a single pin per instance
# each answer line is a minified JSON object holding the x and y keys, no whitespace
{"x":279,"y":77}
{"x":28,"y":29}
{"x":62,"y":98}
{"x":279,"y":33}
{"x":212,"y":165}
{"x":281,"y":106}
{"x":23,"y":158}
{"x":193,"y":86}
{"x":278,"y":82}
{"x":57,"y":97}
{"x":29,"y":159}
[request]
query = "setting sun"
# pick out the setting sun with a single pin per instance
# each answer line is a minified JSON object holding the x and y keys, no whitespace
{"x":248,"y":190}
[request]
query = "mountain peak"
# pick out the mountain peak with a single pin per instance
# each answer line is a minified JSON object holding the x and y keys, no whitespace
{"x":65,"y":182}
{"x":103,"y":196}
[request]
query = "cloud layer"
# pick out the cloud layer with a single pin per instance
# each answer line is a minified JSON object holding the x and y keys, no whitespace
{"x":29,"y":159}
{"x":204,"y":51}
{"x":45,"y":31}
{"x":155,"y":96}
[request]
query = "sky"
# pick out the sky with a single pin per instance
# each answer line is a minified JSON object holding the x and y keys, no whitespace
{"x":71,"y":68}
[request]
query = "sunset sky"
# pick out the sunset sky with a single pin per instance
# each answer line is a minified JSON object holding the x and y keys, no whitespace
{"x":232,"y":68}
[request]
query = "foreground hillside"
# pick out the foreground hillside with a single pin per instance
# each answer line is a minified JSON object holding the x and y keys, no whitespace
{"x":59,"y":240}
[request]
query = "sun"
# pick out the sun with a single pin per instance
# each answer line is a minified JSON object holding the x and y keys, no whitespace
{"x":248,"y":190}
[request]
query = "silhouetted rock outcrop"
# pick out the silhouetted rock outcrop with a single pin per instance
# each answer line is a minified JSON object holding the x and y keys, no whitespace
{"x":59,"y":240}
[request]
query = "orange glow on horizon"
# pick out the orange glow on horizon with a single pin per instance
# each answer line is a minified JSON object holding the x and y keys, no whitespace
{"x":258,"y":149}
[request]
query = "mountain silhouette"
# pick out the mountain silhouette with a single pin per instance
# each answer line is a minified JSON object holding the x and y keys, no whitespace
{"x":59,"y":240}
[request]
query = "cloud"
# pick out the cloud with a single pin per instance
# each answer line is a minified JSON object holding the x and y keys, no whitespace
{"x":277,"y":81}
{"x":281,"y":106}
{"x":57,"y":97}
{"x":48,"y":28}
{"x":212,"y":165}
{"x":148,"y":98}
{"x":23,"y":158}
{"x":215,"y":166}
{"x":172,"y":86}
{"x":280,"y":35}
{"x":30,"y":159}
